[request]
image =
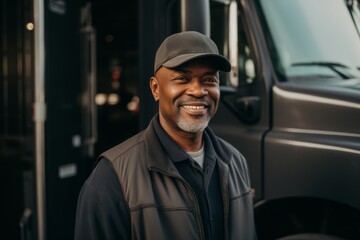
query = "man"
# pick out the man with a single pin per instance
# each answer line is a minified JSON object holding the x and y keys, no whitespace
{"x":175,"y":180}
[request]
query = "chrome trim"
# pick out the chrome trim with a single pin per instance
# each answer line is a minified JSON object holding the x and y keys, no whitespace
{"x":39,"y":116}
{"x":233,"y":43}
{"x":89,"y":79}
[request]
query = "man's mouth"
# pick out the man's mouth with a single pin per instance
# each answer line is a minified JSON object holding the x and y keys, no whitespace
{"x":195,"y":109}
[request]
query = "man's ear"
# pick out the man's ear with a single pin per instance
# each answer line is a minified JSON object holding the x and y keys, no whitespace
{"x":154,"y":86}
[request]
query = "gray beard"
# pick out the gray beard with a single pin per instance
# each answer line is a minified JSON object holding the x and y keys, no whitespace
{"x":196,"y":127}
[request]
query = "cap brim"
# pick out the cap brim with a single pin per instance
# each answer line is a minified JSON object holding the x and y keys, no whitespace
{"x":220,"y":62}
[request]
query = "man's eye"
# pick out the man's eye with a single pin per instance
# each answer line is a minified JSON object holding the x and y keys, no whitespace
{"x":211,"y":80}
{"x":181,"y":78}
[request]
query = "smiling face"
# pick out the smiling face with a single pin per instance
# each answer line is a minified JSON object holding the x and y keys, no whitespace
{"x":188,"y":96}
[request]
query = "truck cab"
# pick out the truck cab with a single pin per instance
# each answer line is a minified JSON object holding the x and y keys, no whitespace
{"x":291,"y":105}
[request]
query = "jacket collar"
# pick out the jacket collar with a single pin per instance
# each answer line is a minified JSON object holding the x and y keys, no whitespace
{"x":157,"y":157}
{"x":218,"y":145}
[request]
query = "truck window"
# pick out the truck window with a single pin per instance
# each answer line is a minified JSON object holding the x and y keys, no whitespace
{"x":318,"y":39}
{"x":227,"y":30}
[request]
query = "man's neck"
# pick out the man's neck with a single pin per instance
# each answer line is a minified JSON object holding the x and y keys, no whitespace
{"x":188,"y":141}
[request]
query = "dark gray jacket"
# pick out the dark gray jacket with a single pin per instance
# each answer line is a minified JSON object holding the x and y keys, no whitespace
{"x":161,"y":204}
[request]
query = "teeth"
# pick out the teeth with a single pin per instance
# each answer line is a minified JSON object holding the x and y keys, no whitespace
{"x":194,"y":107}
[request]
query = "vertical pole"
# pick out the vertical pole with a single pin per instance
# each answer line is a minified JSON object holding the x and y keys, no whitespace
{"x":39,"y":116}
{"x":195,"y":16}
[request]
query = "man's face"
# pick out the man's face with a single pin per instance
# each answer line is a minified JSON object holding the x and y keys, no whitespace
{"x":188,"y":96}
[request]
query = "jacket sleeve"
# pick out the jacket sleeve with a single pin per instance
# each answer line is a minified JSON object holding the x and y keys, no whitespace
{"x":102,"y":212}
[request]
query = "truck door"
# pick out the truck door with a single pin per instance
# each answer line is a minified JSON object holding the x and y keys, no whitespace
{"x":243,"y":114}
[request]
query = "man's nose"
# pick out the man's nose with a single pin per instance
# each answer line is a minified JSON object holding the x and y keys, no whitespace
{"x":197,"y":89}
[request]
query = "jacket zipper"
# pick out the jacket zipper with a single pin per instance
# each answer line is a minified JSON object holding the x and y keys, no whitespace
{"x":192,"y":198}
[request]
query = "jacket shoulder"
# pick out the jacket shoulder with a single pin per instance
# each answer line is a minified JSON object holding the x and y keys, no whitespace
{"x":117,"y":151}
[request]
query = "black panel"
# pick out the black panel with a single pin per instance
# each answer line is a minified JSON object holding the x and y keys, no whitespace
{"x":63,"y":127}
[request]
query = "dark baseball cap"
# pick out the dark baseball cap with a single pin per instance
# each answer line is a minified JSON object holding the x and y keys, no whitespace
{"x":183,"y":47}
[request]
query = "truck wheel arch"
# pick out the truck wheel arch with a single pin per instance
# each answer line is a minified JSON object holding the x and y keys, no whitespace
{"x":285,"y":217}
